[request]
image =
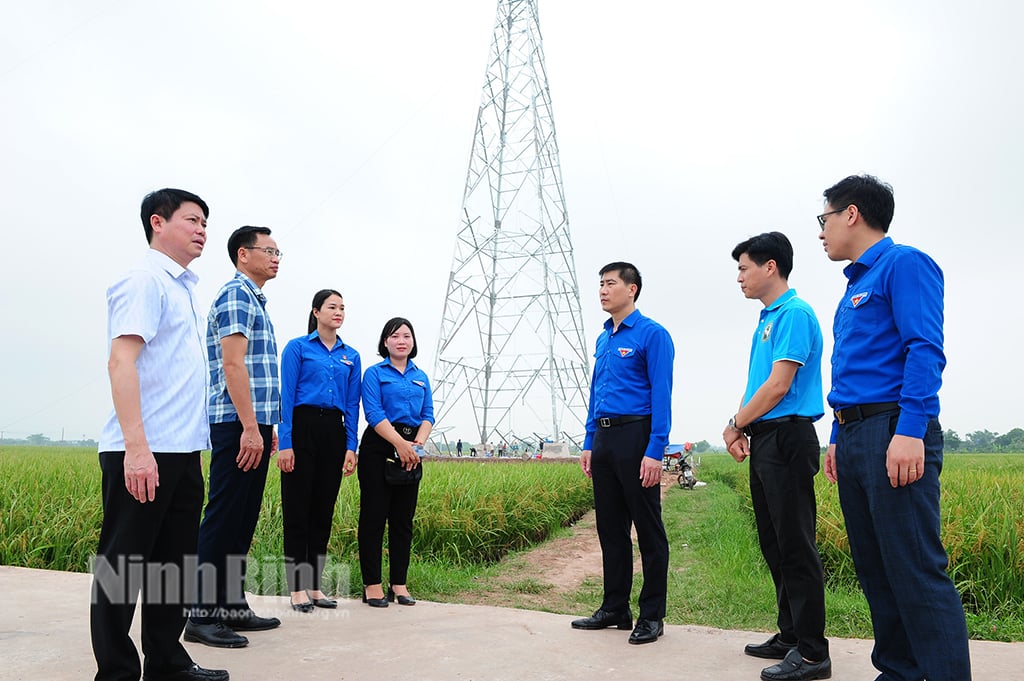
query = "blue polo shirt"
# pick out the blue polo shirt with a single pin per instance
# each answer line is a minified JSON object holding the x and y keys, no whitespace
{"x":889,"y":336}
{"x":314,"y":376}
{"x":788,"y":330}
{"x":633,"y":377}
{"x":395,"y":396}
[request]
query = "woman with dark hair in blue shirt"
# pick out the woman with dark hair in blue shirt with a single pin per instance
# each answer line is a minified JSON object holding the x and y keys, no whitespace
{"x":399,"y":411}
{"x":320,"y":387}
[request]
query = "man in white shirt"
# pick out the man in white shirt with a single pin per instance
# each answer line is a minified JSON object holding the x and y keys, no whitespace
{"x":149,"y":450}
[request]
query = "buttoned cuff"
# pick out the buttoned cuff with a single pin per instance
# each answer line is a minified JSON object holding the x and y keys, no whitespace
{"x":912,"y":425}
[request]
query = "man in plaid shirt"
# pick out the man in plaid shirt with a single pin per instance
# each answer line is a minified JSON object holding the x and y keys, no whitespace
{"x":244,"y":407}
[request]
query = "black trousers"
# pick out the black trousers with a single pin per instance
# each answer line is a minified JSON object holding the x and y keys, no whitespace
{"x":143,"y":548}
{"x":229,"y":523}
{"x":381,"y":503}
{"x":620,"y":501}
{"x":309,"y":492}
{"x":783,"y":463}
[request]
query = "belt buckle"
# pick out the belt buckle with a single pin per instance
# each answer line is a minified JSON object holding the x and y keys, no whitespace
{"x":605,"y":422}
{"x":406,"y":430}
{"x":839,"y":417}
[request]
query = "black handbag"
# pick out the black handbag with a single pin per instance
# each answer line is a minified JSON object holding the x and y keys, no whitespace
{"x":396,"y":474}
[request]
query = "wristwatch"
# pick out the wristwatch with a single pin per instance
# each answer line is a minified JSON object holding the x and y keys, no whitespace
{"x":732,"y":423}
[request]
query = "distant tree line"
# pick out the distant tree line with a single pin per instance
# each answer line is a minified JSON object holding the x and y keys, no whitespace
{"x":985,"y":441}
{"x":40,"y":440}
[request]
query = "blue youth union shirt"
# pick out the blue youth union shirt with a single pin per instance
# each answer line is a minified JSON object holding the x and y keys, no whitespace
{"x":633,"y":377}
{"x":889,"y":335}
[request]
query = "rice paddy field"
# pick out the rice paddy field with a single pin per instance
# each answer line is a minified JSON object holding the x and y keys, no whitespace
{"x":472,"y":514}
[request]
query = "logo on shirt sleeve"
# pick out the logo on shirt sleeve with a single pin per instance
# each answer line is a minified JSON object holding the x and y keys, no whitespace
{"x":625,"y":352}
{"x":858,"y":298}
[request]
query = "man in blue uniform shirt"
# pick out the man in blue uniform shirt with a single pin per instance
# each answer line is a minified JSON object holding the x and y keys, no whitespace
{"x":781,"y":403}
{"x":628,"y":423}
{"x":885,"y":449}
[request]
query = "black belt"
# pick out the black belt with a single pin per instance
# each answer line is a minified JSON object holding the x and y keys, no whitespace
{"x":321,"y":411}
{"x":404,"y":430}
{"x":863,"y":411}
{"x":608,"y":422}
{"x":759,"y":427}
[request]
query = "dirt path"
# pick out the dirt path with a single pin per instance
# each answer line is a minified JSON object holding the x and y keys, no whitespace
{"x":542,"y":578}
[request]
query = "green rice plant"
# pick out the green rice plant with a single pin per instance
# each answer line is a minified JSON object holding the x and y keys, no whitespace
{"x":471,"y":514}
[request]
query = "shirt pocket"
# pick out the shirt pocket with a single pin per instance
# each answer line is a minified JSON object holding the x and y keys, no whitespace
{"x":861,"y":310}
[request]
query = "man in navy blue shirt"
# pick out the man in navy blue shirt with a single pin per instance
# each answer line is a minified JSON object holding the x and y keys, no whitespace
{"x":778,"y":410}
{"x":885,"y":449}
{"x":628,"y":423}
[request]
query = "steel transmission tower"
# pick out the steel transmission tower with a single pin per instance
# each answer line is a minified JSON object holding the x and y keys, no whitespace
{"x":511,"y":348}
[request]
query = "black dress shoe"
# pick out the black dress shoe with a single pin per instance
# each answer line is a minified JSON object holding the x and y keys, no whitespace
{"x":303,"y":607}
{"x":602,"y":619}
{"x":402,"y":600}
{"x":375,"y":602}
{"x":646,"y":631}
{"x":325,"y":603}
{"x":772,"y":649}
{"x":193,"y":673}
{"x":214,"y":634}
{"x":795,"y":668}
{"x":252,"y":622}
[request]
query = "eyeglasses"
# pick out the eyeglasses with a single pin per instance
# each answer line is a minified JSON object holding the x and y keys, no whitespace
{"x":272,"y":252}
{"x":821,"y":218}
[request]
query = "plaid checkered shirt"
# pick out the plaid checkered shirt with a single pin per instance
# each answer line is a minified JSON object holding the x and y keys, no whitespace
{"x":241,"y":307}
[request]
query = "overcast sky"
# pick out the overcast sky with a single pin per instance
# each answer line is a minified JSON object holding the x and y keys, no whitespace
{"x":346,"y":127}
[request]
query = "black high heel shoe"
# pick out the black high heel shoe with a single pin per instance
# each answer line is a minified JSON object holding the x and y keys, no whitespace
{"x":375,"y":602}
{"x":303,"y":607}
{"x":402,"y":600}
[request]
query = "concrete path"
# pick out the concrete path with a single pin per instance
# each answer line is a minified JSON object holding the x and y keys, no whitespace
{"x":44,"y":634}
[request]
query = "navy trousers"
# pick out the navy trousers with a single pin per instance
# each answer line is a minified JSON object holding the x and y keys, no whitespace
{"x":138,"y":538}
{"x":620,"y":501}
{"x":783,"y":463}
{"x":229,"y":522}
{"x":916,"y":612}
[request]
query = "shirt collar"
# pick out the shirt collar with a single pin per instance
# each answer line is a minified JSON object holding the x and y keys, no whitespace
{"x":256,"y":290}
{"x":315,"y":336}
{"x":777,"y":303}
{"x":629,"y":320}
{"x":409,"y":365}
{"x":166,"y":263}
{"x":869,"y":257}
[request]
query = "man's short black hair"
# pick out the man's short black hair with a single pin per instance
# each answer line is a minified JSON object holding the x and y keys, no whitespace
{"x":164,"y":202}
{"x":872,"y":197}
{"x":628,"y":273}
{"x":768,"y":246}
{"x":244,"y":237}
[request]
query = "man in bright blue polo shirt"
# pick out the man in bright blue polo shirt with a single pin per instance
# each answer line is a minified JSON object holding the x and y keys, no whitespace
{"x":885,"y":450}
{"x":628,"y":423}
{"x":782,"y":401}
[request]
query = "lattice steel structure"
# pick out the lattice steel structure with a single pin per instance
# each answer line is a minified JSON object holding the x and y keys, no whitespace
{"x":511,"y":346}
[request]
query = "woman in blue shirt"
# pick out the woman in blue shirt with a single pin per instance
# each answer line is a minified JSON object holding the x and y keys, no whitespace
{"x":320,"y":390}
{"x":399,"y":411}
